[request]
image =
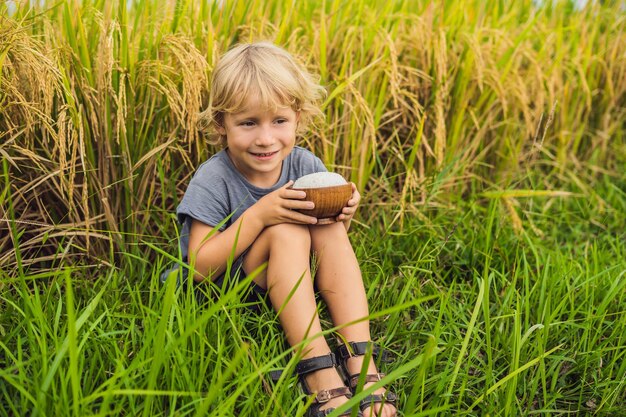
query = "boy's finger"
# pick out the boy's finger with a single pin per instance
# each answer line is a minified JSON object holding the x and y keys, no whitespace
{"x":300,"y":205}
{"x":302,"y":218}
{"x":293,"y":195}
{"x":294,"y":216}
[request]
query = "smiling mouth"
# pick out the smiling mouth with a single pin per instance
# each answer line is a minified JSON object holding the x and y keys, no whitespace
{"x":265,"y":154}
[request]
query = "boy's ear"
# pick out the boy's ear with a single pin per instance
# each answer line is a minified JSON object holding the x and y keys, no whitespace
{"x":220,"y":129}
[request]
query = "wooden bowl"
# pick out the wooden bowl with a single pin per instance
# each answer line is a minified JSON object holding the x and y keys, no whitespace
{"x":328,"y":201}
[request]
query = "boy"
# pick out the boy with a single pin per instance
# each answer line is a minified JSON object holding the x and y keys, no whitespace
{"x":260,"y":99}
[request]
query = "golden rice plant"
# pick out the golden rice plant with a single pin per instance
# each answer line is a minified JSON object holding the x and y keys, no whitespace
{"x":99,"y":103}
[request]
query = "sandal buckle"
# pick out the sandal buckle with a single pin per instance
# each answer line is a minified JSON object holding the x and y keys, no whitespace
{"x":354,"y":379}
{"x":323,"y":396}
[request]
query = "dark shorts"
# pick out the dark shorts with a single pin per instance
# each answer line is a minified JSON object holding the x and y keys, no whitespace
{"x":253,"y":297}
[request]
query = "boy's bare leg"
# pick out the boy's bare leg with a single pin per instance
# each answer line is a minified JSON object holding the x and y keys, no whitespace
{"x":286,"y":247}
{"x":340,"y":283}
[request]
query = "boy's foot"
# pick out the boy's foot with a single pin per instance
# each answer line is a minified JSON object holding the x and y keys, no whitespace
{"x":354,"y":365}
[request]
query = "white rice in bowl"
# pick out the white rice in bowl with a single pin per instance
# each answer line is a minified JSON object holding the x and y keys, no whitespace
{"x":319,"y":180}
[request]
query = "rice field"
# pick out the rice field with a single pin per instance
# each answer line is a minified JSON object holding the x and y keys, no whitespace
{"x":486,"y":137}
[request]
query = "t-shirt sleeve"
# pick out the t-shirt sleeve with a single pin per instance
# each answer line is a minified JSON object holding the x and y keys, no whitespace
{"x":319,"y":165}
{"x":307,"y":163}
{"x":206,"y":200}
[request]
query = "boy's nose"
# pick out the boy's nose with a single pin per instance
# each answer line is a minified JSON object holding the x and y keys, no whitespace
{"x":265,"y":137}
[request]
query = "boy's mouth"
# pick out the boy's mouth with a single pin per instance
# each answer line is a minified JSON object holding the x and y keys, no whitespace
{"x":263,"y":154}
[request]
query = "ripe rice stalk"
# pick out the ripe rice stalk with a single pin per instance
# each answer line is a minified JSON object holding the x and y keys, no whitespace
{"x":516,"y":221}
{"x":441,"y":85}
{"x":88,"y":91}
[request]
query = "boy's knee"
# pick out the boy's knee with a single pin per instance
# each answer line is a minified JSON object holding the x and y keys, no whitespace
{"x":288,"y":233}
{"x":330,"y":231}
{"x":332,"y":235}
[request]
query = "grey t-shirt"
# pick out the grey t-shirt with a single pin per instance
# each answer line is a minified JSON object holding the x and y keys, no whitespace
{"x":218,"y":189}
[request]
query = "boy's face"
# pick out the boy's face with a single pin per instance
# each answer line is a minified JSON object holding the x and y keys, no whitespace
{"x":259,"y":140}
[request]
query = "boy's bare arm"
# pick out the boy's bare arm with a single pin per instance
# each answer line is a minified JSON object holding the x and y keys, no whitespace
{"x":210,"y":255}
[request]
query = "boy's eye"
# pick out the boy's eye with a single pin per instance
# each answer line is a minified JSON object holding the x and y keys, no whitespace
{"x":247,"y":123}
{"x":279,"y":121}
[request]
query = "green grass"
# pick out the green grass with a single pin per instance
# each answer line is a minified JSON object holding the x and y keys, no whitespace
{"x":481,"y":320}
{"x":487,"y":139}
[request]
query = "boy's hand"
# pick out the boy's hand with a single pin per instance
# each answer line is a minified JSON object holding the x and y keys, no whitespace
{"x":279,"y":207}
{"x":348,"y":211}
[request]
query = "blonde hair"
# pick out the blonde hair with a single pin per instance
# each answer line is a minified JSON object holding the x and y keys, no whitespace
{"x":266,"y":72}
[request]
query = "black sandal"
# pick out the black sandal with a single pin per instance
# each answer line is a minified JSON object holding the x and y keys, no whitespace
{"x":307,"y":366}
{"x":360,"y":349}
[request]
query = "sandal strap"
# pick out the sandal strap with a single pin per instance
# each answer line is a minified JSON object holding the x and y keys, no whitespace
{"x":354,"y":379}
{"x":306,"y":366}
{"x":326,"y":395}
{"x":275,"y":375}
{"x":388,"y":398}
{"x":360,"y":349}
